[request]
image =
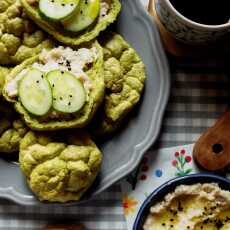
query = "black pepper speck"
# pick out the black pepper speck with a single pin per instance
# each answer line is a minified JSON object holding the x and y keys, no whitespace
{"x":206,"y":221}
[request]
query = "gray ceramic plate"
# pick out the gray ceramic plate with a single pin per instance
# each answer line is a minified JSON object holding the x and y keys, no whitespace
{"x":123,"y":152}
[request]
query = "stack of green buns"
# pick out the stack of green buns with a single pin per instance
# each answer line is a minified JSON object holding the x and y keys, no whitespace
{"x":64,"y":80}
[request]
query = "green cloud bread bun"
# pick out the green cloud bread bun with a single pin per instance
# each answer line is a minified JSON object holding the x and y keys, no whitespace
{"x":124,"y":80}
{"x":73,"y":120}
{"x":57,"y":30}
{"x":19,"y":37}
{"x":12,"y":129}
{"x":61,"y":168}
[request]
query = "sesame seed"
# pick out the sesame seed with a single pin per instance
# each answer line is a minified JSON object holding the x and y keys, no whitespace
{"x":179,"y":206}
{"x":89,"y":65}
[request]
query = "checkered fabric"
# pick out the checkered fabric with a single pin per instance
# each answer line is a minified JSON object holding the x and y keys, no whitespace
{"x":199,"y":95}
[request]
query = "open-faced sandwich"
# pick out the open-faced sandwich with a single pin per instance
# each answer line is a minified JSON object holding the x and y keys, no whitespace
{"x":59,"y":88}
{"x":72,"y":22}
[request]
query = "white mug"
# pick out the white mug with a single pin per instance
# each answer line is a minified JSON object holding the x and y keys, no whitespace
{"x":187,"y":30}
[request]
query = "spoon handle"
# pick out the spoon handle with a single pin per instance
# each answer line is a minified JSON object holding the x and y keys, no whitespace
{"x":212,"y":150}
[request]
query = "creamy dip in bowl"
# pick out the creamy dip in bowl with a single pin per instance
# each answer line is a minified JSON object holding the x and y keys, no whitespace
{"x":194,"y":202}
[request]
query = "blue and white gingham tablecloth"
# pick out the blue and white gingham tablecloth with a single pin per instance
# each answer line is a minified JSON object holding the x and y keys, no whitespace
{"x":200,"y":94}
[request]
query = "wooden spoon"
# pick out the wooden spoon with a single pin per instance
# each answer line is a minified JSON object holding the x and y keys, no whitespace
{"x":212,"y":150}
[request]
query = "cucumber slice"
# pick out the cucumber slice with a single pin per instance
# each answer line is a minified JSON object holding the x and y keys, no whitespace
{"x":57,"y":10}
{"x":84,"y":17}
{"x":69,"y":94}
{"x":53,"y":76}
{"x":35,"y":93}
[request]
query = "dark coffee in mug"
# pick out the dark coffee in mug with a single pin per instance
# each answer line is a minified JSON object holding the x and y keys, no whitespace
{"x":209,"y":12}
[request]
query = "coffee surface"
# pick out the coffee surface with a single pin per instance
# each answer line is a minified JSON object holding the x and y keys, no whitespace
{"x":209,"y":12}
